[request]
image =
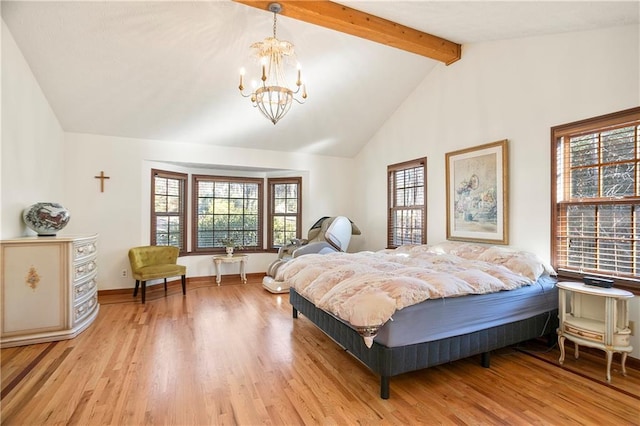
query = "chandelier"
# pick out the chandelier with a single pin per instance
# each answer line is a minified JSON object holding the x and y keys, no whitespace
{"x":272,"y":97}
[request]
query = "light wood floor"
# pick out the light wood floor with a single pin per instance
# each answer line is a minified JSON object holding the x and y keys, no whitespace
{"x":233,"y":355}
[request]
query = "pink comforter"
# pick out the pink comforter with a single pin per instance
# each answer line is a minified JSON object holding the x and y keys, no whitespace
{"x":365,"y":289}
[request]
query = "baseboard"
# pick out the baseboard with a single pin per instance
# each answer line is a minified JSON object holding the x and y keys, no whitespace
{"x":176,"y":284}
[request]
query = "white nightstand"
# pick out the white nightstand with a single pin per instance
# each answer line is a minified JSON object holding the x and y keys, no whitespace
{"x":595,"y":317}
{"x":225,"y":258}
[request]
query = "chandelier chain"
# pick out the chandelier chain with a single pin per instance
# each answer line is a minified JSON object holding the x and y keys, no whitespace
{"x":274,"y":24}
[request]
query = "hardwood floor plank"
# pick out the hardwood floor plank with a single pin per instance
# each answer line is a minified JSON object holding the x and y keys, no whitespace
{"x":233,"y":355}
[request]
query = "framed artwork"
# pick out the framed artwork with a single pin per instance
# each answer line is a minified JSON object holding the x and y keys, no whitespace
{"x":477,"y":194}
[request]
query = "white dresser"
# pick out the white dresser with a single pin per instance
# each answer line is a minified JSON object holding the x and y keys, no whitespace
{"x":49,"y":288}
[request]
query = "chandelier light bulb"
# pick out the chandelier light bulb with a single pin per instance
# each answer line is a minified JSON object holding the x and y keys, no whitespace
{"x":242,"y":71}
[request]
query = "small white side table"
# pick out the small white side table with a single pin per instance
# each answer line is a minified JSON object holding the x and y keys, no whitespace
{"x":225,"y":258}
{"x":596,"y":317}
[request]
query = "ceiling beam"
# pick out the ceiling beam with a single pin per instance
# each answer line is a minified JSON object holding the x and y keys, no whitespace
{"x":351,"y":21}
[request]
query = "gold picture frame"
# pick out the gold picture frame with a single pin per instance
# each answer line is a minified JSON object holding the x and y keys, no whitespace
{"x":477,"y":193}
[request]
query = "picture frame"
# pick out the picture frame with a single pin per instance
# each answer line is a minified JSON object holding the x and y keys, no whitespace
{"x":477,"y":193}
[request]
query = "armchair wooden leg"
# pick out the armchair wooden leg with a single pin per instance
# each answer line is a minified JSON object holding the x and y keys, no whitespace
{"x":165,"y":286}
{"x":144,"y":290}
{"x":135,"y":290}
{"x":184,"y":285}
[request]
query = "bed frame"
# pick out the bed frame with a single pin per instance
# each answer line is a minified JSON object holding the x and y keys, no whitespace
{"x":392,"y":361}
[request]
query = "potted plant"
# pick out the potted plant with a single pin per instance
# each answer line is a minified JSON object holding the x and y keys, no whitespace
{"x":230,"y":245}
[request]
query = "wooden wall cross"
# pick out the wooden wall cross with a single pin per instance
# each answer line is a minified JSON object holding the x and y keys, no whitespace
{"x":102,"y":177}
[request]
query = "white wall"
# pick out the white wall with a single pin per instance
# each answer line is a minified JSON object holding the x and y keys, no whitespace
{"x":120,"y":214}
{"x":32,"y":143}
{"x":513,"y":89}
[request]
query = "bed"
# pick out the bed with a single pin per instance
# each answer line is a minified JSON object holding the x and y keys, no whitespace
{"x":420,"y":306}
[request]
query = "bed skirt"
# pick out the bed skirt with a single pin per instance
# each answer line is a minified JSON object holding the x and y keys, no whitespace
{"x":388,"y":362}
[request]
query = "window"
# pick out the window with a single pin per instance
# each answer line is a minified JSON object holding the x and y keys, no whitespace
{"x":596,"y":197}
{"x":168,"y":212}
{"x":227,"y":207}
{"x":407,"y":215}
{"x":285,"y":210}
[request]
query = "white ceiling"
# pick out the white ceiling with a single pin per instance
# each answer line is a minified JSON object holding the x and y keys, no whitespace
{"x":169,"y":70}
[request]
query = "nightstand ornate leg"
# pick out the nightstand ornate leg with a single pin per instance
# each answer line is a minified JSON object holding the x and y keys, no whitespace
{"x":561,"y":345}
{"x":609,"y":357}
{"x":577,"y":351}
{"x":624,"y":360}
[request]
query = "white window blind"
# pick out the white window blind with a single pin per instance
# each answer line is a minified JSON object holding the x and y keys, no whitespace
{"x":597,"y":197}
{"x":407,"y":203}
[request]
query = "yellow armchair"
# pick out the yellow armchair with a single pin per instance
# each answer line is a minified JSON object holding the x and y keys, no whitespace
{"x":155,"y":262}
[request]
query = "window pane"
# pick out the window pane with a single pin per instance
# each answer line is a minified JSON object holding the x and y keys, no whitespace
{"x":160,"y":185}
{"x":173,"y":204}
{"x":205,"y":205}
{"x":205,"y":239}
{"x":251,"y":221}
{"x":618,"y":145}
{"x":581,"y":221}
{"x":162,"y":224}
{"x":582,"y":253}
{"x":173,"y":187}
{"x":221,"y":189}
{"x":221,"y":205}
{"x":160,"y":203}
{"x":174,"y":224}
{"x":251,"y":207}
{"x":400,"y":199}
{"x":618,"y":180}
{"x":615,"y":256}
{"x":292,"y":206}
{"x":205,"y":223}
{"x":291,"y":224}
{"x":205,"y":189}
{"x":236,"y":222}
{"x":251,"y":190}
{"x":584,"y":183}
{"x":221,"y":222}
{"x":280,"y":190}
{"x":584,"y":150}
{"x":615,"y":221}
{"x":279,"y":205}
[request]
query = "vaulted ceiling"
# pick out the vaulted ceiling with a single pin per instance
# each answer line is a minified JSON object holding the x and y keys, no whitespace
{"x":169,"y":70}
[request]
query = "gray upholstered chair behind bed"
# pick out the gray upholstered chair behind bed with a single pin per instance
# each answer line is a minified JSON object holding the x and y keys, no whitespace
{"x":327,"y":235}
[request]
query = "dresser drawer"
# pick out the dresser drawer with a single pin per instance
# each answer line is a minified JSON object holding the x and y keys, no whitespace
{"x":596,"y":336}
{"x":82,"y":310}
{"x":84,"y":270}
{"x":83,"y":289}
{"x":84,"y":249}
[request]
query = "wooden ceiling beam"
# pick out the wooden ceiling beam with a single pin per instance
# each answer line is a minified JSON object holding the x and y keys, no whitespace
{"x":341,"y":18}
